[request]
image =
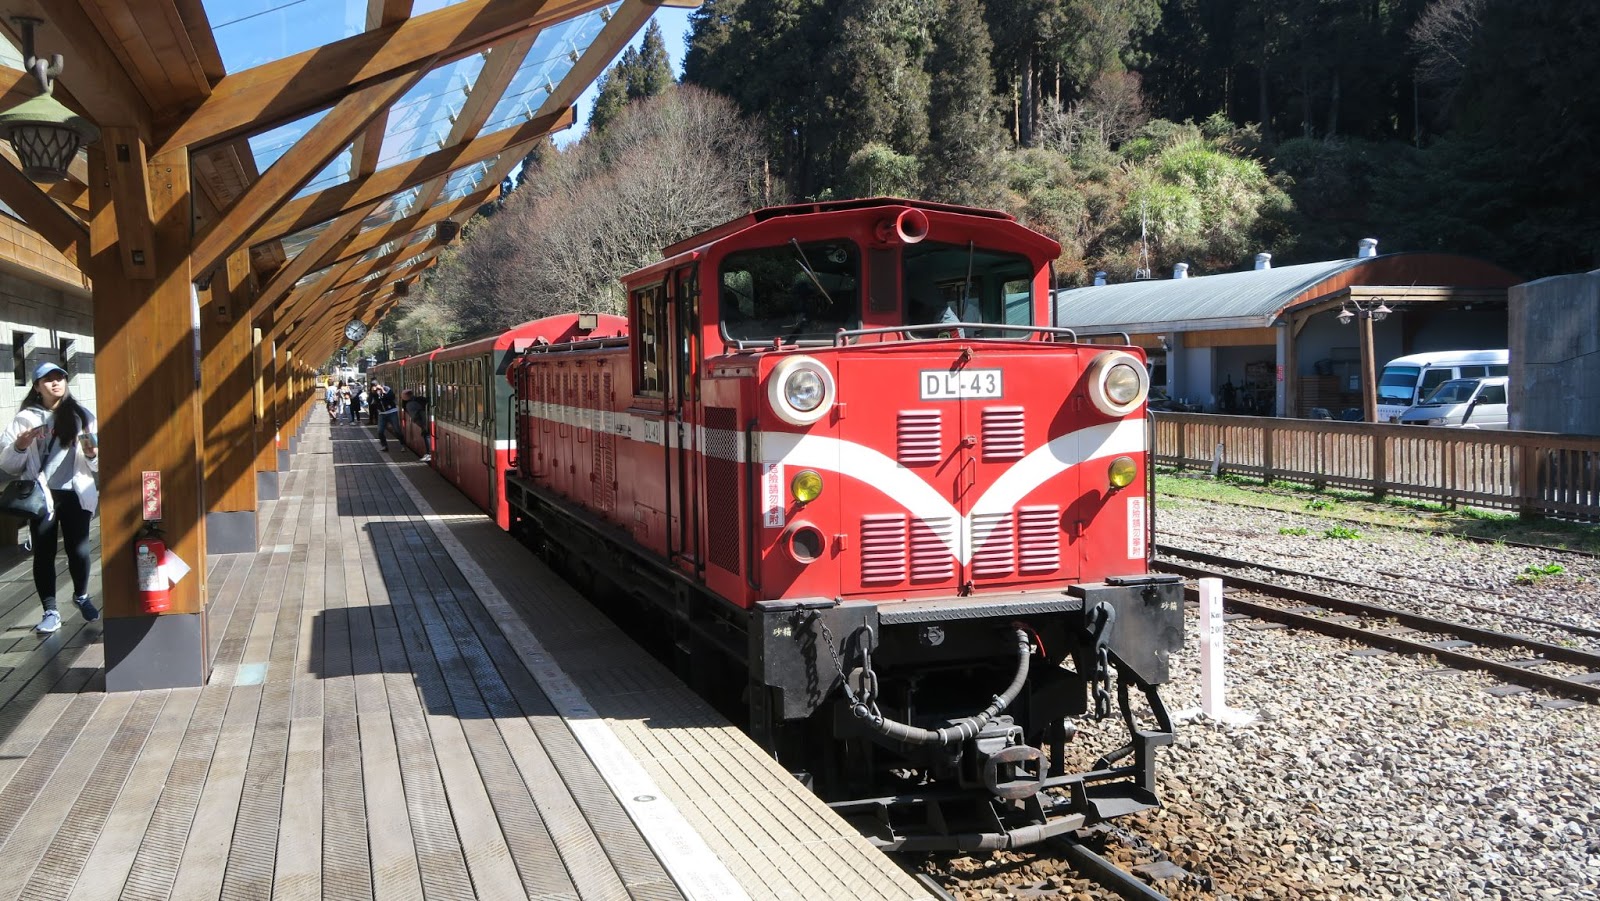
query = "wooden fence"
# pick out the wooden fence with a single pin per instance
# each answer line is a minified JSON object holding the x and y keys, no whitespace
{"x":1527,"y":472}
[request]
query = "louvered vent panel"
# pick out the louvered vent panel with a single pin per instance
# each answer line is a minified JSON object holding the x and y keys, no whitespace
{"x":883,"y":548}
{"x":920,"y":435}
{"x":931,"y":540}
{"x":722,"y":487}
{"x":996,"y":555}
{"x":1039,"y":538}
{"x":1002,"y":433}
{"x":605,"y":473}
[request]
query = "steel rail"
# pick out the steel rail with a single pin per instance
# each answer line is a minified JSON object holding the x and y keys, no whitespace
{"x":1203,"y":557}
{"x":1509,"y":672}
{"x":1092,"y":866}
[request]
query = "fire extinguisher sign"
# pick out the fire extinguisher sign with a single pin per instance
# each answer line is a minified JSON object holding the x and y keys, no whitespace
{"x":151,"y":494}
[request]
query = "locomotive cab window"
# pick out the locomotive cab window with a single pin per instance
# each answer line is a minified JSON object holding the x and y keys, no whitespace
{"x":800,"y":291}
{"x":956,"y":284}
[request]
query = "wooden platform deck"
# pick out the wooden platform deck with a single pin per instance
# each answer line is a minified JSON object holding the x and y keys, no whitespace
{"x":404,"y":704}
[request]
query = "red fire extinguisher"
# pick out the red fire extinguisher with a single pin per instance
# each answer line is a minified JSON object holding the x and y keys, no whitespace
{"x":150,"y":557}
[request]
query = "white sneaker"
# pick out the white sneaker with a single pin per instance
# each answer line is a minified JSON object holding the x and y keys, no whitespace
{"x":425,"y":458}
{"x":50,"y":623}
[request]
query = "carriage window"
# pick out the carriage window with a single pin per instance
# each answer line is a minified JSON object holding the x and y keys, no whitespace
{"x":954,"y":283}
{"x":649,"y":310}
{"x":809,"y":291}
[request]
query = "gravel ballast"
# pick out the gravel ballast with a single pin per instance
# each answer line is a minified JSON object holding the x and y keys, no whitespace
{"x":1363,"y":776}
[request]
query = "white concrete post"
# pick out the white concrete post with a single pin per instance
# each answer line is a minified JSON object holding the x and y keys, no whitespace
{"x":1211,"y":678}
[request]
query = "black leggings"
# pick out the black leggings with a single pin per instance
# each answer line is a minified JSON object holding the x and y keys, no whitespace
{"x":72,"y":519}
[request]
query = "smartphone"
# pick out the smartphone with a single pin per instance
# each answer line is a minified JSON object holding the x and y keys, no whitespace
{"x":89,"y":439}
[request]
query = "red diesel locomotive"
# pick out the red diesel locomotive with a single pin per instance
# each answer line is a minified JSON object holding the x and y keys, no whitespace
{"x":856,"y":480}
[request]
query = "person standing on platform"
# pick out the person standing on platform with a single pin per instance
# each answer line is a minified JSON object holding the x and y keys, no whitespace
{"x":362,"y":400}
{"x":53,"y":440}
{"x":388,"y":415}
{"x":331,"y":397}
{"x":416,"y":407}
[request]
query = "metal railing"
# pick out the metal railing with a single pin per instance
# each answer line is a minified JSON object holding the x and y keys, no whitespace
{"x":1533,"y":473}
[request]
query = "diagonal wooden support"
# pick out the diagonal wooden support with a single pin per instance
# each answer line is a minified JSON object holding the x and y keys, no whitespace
{"x":296,"y":85}
{"x":303,"y":161}
{"x":314,"y":256}
{"x":57,"y":226}
{"x":330,"y":202}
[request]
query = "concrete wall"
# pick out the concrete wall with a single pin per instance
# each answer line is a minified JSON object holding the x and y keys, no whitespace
{"x":42,"y":318}
{"x":1555,"y":354}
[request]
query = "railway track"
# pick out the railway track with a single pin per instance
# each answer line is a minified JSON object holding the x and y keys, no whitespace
{"x":1567,"y":671}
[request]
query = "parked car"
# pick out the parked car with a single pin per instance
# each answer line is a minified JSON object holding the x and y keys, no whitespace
{"x":1408,"y":380}
{"x":1463,"y":403}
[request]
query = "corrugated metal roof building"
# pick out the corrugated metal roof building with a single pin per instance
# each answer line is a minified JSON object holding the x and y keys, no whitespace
{"x":1269,"y":340}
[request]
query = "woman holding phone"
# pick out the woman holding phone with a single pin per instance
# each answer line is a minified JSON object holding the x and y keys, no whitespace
{"x":52,"y":439}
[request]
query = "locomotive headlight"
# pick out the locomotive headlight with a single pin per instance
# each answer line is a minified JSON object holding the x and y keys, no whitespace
{"x":801,"y":390}
{"x":1122,"y":383}
{"x":1122,"y":472}
{"x":1118,"y":383}
{"x":806,"y":486}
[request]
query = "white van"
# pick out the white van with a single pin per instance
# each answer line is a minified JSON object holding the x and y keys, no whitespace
{"x":1407,"y":380}
{"x":1463,"y":404}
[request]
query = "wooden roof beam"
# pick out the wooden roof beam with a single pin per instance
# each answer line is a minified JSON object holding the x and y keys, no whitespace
{"x":364,"y":152}
{"x":303,"y":161}
{"x":284,"y":89}
{"x":401,"y":229}
{"x":307,"y":211}
{"x":624,"y":24}
{"x":498,"y":70}
{"x":155,"y":48}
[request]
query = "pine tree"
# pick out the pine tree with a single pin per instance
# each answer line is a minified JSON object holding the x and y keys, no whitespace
{"x":876,"y":85}
{"x":613,"y":93}
{"x":652,"y":71}
{"x":965,"y":137}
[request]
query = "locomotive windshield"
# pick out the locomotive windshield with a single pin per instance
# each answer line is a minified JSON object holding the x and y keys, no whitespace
{"x":792,"y":291}
{"x":958,"y":283}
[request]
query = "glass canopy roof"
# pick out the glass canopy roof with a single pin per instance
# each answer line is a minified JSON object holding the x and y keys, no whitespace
{"x":252,"y":32}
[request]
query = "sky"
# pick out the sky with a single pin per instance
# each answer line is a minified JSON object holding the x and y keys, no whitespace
{"x":674,"y":29}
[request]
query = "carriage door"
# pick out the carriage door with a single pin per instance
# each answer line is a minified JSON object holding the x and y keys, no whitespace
{"x":686,"y":462}
{"x":488,"y":429}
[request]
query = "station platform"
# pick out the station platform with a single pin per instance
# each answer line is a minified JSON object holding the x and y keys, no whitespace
{"x":405,"y":703}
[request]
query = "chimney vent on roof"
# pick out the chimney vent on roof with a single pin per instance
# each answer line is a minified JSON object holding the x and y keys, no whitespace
{"x":1263,"y":261}
{"x":1367,"y":248}
{"x":1180,"y":270}
{"x":1100,"y":278}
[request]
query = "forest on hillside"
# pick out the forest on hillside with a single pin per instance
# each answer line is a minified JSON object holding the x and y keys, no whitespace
{"x":1139,"y":133}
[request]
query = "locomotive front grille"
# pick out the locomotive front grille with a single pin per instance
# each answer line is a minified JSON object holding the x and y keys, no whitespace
{"x":931,"y":560}
{"x":883,"y":549}
{"x":722,"y":485}
{"x":1039,"y":544}
{"x":996,"y":555}
{"x":919,"y":437}
{"x":1003,"y":433}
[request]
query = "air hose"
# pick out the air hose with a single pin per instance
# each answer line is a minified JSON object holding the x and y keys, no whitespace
{"x":960,"y":730}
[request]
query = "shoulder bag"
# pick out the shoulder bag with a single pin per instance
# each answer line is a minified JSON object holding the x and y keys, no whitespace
{"x":23,"y":498}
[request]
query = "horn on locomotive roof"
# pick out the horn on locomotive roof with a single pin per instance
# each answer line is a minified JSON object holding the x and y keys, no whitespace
{"x":910,"y":227}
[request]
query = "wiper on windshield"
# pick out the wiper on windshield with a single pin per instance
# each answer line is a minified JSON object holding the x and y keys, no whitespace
{"x":805,"y":264}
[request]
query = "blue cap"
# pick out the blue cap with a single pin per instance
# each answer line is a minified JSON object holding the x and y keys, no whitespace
{"x":45,"y":369}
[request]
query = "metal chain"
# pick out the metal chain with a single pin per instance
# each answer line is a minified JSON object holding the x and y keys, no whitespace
{"x":864,"y":704}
